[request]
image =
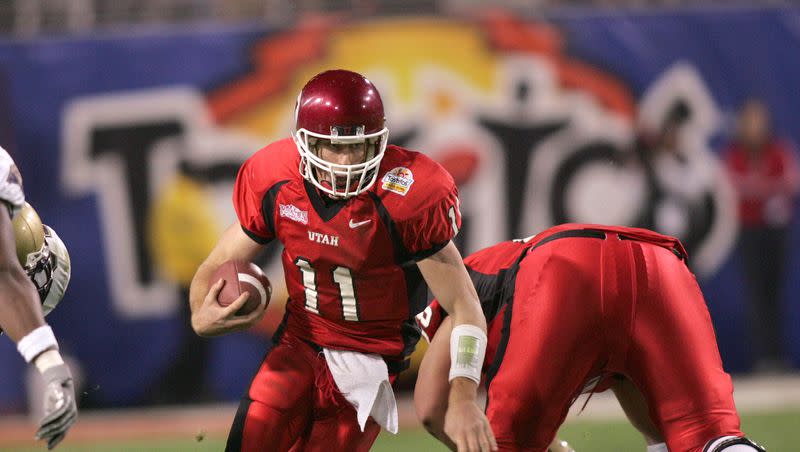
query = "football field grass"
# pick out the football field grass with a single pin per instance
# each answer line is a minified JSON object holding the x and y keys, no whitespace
{"x":774,"y":430}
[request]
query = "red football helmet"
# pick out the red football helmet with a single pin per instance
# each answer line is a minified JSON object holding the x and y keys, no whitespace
{"x":345,"y":108}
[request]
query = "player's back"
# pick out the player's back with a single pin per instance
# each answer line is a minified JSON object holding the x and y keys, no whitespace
{"x":350,"y":263}
{"x":494,"y":270}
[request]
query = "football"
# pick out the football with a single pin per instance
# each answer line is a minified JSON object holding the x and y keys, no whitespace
{"x":240,"y":277}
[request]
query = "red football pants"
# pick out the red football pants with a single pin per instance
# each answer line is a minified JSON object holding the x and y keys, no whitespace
{"x":293,"y":404}
{"x":587,"y":306}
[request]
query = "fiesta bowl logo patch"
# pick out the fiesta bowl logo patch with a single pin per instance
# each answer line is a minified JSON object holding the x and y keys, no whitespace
{"x":398,"y":180}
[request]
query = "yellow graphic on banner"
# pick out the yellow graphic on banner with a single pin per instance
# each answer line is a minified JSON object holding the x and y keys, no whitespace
{"x":398,"y":51}
{"x":182,"y":229}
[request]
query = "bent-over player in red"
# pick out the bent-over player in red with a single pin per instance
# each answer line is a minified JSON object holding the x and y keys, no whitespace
{"x":364,"y":226}
{"x":581,"y":308}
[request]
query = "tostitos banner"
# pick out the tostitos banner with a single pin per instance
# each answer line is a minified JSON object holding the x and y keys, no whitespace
{"x":129,"y":144}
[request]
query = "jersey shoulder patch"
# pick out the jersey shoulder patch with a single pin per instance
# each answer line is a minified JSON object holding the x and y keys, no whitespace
{"x":10,"y":182}
{"x":410,"y":182}
{"x":398,"y":180}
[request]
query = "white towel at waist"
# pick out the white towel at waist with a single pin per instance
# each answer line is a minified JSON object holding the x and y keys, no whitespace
{"x":363,"y":379}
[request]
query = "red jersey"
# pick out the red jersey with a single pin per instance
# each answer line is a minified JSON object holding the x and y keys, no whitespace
{"x":765,"y":185}
{"x":350,"y":264}
{"x":493,"y":271}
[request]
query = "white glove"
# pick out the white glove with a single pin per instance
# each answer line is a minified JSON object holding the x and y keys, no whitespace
{"x":60,"y":410}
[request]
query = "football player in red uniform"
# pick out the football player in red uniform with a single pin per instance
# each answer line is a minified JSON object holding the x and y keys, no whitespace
{"x":574,"y":309}
{"x":21,"y":316}
{"x":364,"y":226}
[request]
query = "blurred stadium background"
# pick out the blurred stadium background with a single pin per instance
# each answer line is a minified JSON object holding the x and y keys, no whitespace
{"x":129,"y":118}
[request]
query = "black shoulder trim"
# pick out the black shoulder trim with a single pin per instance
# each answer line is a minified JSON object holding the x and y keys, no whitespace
{"x":255,"y":237}
{"x":268,"y":206}
{"x":401,"y":254}
{"x":416,"y":257}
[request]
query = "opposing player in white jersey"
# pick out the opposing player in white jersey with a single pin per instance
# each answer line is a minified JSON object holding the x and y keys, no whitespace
{"x":21,"y":315}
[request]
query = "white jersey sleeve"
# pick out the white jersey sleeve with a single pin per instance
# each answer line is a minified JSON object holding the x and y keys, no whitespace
{"x":10,"y":183}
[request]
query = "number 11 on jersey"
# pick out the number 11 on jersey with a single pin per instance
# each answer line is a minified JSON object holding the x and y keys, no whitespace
{"x":342,"y":276}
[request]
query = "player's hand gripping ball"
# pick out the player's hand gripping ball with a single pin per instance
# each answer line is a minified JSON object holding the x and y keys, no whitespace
{"x":241,"y":277}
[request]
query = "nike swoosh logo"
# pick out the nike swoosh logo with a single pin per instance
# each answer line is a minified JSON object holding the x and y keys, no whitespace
{"x":360,"y":223}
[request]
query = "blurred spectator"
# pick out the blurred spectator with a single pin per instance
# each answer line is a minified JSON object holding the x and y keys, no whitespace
{"x":680,"y":177}
{"x":765,"y":172}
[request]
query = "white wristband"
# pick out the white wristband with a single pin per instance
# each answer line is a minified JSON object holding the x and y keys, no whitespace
{"x":36,"y":342}
{"x":467,"y":350}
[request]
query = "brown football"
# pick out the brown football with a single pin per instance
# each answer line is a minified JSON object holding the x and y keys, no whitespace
{"x":240,"y":277}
